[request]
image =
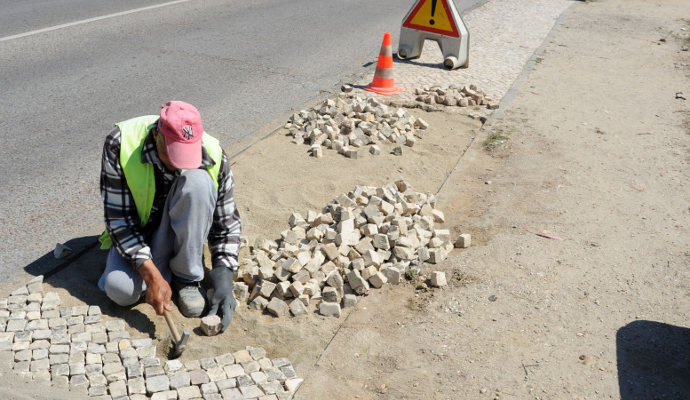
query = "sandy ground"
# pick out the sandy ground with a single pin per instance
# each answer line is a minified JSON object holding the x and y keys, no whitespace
{"x":596,"y":155}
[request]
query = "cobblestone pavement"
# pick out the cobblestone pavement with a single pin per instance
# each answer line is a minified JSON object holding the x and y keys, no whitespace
{"x":73,"y":347}
{"x":503,"y":36}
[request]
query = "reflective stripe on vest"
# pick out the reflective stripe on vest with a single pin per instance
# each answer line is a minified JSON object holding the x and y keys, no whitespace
{"x":140,"y":177}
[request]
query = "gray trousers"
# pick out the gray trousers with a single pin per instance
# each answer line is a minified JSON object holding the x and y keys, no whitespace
{"x":177,"y":244}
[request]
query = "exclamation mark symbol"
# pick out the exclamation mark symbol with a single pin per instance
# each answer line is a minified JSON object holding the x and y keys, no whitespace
{"x":433,"y":11}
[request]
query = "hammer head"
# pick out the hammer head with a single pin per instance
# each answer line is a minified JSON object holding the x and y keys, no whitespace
{"x":180,"y":346}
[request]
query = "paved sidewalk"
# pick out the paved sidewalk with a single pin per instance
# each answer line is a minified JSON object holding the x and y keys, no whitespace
{"x":503,"y":36}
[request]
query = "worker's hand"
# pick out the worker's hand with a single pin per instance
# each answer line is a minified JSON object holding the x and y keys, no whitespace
{"x":223,"y":297}
{"x":158,"y":292}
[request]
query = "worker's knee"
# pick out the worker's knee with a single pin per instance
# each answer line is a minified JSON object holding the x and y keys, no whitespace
{"x":196,"y":182}
{"x":121,"y":289}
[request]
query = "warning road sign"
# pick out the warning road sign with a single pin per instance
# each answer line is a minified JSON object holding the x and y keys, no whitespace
{"x":432,"y":16}
{"x":436,"y":20}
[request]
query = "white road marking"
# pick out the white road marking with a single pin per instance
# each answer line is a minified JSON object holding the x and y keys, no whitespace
{"x":86,"y":21}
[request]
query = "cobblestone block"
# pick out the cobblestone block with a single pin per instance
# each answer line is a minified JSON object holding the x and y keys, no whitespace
{"x":191,"y":365}
{"x":438,"y":279}
{"x":19,"y":346}
{"x":79,"y":384}
{"x":115,"y":325}
{"x":59,"y":359}
{"x":198,"y":377}
{"x":226,"y":384}
{"x":258,"y":303}
{"x":174,"y":366}
{"x":189,"y":392}
{"x":77,"y":369}
{"x":216,"y":374}
{"x":136,"y":385}
{"x":277,"y":307}
{"x":15,"y":325}
{"x":297,"y":308}
{"x":329,"y":309}
{"x":233,"y":371}
{"x":110,"y":358}
{"x":244,"y":380}
{"x":165,"y":395}
{"x":208,"y":363}
{"x":231,"y":394}
{"x":210,"y":325}
{"x":39,"y":354}
{"x":251,"y":392}
{"x":157,"y":384}
{"x":23,"y":355}
{"x":242,"y":356}
{"x":114,"y":372}
{"x":137,"y":343}
{"x":118,"y":389}
{"x":251,"y":366}
{"x":288,"y":371}
{"x":271,"y":387}
{"x":150,"y":361}
{"x":209,"y":388}
{"x":93,"y":369}
{"x":23,"y":336}
{"x":349,"y":300}
{"x":135,"y":370}
{"x":128,"y":352}
{"x":180,"y":380}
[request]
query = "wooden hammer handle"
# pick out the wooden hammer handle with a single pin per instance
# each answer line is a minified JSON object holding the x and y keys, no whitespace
{"x":171,"y":325}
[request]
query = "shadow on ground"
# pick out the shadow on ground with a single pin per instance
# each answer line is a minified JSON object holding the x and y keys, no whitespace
{"x":653,"y":361}
{"x":78,"y":275}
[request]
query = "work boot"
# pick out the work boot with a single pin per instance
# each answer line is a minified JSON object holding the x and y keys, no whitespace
{"x":191,"y":297}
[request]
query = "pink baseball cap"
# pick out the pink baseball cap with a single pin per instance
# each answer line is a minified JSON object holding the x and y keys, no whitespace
{"x":180,"y":122}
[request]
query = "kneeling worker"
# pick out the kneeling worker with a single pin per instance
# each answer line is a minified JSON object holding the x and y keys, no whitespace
{"x":166,"y":188}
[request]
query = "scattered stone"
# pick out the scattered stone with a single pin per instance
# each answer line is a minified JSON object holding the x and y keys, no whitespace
{"x":438,"y":279}
{"x":329,"y":309}
{"x":211,"y":325}
{"x":277,"y":307}
{"x":298,"y":308}
{"x":464,"y":241}
{"x":61,"y":251}
{"x":349,"y":300}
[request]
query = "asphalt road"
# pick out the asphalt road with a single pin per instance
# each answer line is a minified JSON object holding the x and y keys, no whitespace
{"x":241,"y":63}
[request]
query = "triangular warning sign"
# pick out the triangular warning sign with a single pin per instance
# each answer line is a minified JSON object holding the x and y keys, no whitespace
{"x":433,"y":16}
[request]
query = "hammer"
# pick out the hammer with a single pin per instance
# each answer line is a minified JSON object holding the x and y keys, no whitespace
{"x":180,"y":342}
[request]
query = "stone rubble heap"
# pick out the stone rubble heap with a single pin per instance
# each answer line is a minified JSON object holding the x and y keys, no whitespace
{"x":465,"y":96}
{"x":368,"y":237}
{"x":74,"y":348}
{"x":350,"y":122}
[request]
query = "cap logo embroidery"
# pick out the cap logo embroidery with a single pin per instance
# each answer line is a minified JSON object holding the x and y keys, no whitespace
{"x":187,"y":132}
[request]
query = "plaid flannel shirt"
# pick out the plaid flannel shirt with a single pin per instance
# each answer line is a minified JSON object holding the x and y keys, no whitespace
{"x":122,"y":220}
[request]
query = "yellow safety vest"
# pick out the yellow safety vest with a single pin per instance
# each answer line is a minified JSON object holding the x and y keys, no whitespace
{"x":140,"y":176}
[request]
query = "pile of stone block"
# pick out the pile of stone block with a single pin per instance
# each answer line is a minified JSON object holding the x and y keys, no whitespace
{"x":465,"y":96}
{"x":366,"y":238}
{"x":350,"y":123}
{"x":75,"y":349}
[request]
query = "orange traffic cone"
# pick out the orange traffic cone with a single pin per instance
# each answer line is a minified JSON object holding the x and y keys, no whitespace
{"x":384,"y":83}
